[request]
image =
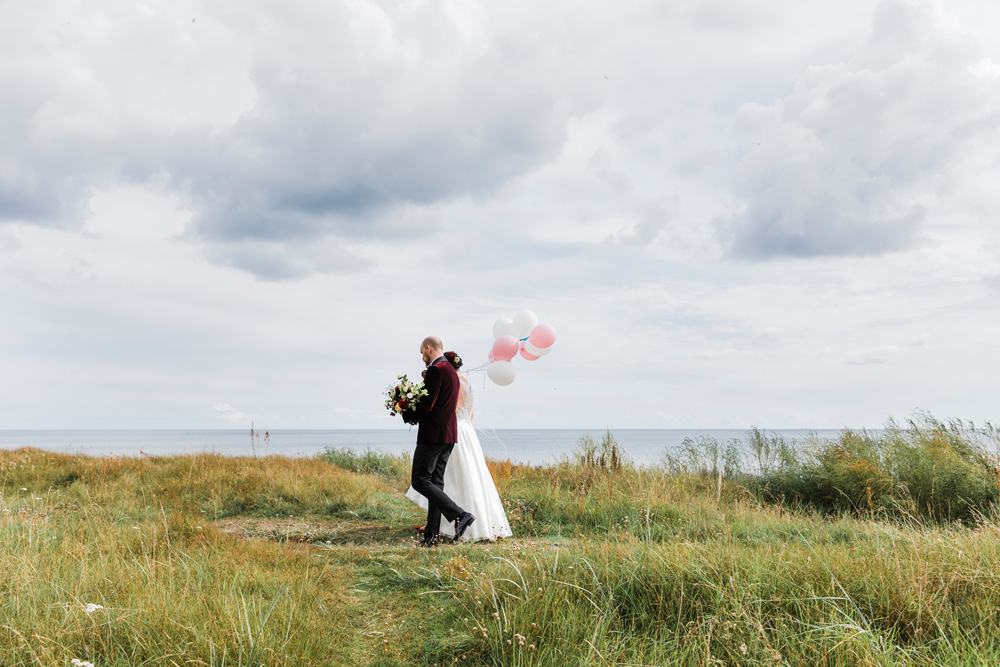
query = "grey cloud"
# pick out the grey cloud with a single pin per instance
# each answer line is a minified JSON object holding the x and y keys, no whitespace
{"x":280,"y":261}
{"x":845,"y":164}
{"x":865,"y":361}
{"x":721,"y":14}
{"x":654,"y":220}
{"x":9,"y":242}
{"x":359,"y":111}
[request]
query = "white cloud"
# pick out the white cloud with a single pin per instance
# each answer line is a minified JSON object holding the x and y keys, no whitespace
{"x":985,"y":69}
{"x":232,"y":415}
{"x":853,"y":161}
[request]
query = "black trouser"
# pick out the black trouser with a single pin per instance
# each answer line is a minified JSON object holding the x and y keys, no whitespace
{"x":427,"y":478}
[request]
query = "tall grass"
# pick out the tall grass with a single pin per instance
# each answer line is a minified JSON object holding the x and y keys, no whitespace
{"x":141,"y":542}
{"x":610,"y":564}
{"x":393,"y":469}
{"x":883,"y":596}
{"x":217,"y":485}
{"x":926,"y":468}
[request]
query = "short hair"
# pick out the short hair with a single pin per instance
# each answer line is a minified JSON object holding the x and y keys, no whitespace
{"x":433,"y":342}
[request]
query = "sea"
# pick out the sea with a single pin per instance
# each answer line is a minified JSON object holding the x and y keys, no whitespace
{"x":532,"y":446}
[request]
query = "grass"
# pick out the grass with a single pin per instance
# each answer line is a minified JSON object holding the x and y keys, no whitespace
{"x":926,"y":468}
{"x":211,"y":560}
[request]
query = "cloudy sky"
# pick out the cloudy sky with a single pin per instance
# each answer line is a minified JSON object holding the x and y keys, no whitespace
{"x":734,"y":212}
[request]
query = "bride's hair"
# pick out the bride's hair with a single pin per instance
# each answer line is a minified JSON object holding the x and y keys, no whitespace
{"x":453,"y":359}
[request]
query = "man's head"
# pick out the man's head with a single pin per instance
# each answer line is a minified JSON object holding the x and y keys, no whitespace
{"x":431,"y":349}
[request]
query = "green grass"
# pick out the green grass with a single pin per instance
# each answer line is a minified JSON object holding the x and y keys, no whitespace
{"x":926,"y":468}
{"x":213,"y":560}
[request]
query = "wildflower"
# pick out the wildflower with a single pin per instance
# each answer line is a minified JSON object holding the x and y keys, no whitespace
{"x":81,"y":663}
{"x":743,"y":649}
{"x":91,"y":608}
{"x":531,"y":646}
{"x":24,"y":488}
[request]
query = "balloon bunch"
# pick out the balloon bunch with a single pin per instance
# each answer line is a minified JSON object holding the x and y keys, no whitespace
{"x":522,"y":335}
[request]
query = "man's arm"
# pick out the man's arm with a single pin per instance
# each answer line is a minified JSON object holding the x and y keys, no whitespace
{"x":432,"y":383}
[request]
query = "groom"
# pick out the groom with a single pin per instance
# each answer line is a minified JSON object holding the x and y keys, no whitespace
{"x":436,"y":437}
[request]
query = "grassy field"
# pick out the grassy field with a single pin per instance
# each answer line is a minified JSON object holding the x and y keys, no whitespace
{"x":212,"y":560}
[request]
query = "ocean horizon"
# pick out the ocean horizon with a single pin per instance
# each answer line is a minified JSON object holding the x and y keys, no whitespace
{"x":531,"y":446}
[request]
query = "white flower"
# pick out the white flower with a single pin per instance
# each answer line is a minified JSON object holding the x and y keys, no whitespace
{"x":410,"y":395}
{"x":91,"y":607}
{"x":81,"y":663}
{"x":23,"y":488}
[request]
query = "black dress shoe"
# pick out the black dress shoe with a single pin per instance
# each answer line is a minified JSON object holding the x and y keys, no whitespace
{"x":461,"y":524}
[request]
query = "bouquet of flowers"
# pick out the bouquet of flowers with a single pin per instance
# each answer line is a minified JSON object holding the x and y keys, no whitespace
{"x":404,"y":395}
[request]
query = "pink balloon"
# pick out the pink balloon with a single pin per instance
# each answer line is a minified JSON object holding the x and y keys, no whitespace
{"x":505,"y":347}
{"x":542,"y":336}
{"x":528,"y":355}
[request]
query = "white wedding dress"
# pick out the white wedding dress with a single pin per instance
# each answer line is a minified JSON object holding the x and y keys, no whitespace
{"x":468,"y":482}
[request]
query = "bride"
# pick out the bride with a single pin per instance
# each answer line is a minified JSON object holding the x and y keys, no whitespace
{"x":466,"y":478}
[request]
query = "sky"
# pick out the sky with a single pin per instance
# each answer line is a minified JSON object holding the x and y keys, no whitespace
{"x":734,"y":212}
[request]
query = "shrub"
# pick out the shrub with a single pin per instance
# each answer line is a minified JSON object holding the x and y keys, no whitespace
{"x":925,"y":468}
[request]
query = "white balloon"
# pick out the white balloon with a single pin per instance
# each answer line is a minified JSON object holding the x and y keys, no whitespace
{"x":502,"y":372}
{"x":503,"y":326}
{"x":537,"y":351}
{"x":524,"y":322}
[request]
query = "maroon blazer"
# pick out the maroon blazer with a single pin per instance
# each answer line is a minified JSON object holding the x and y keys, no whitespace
{"x":435,"y":412}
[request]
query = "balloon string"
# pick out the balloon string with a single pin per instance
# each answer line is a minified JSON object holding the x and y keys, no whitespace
{"x":487,"y":386}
